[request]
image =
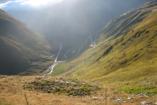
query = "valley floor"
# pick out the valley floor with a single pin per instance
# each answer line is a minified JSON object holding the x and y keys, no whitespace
{"x":13,"y":93}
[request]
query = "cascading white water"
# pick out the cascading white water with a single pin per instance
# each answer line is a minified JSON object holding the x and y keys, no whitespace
{"x":56,"y":62}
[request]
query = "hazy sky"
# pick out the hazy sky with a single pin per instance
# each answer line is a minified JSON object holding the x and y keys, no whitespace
{"x":30,"y":3}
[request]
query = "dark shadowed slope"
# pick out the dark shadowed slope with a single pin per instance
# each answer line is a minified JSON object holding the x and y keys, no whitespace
{"x":20,"y":49}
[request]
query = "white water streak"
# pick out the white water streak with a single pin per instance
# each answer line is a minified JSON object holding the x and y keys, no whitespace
{"x":56,"y":62}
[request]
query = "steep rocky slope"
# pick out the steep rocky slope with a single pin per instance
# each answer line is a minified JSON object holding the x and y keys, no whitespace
{"x":125,"y":52}
{"x":20,"y":49}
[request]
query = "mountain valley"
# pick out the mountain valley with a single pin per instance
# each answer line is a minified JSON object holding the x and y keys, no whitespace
{"x":119,"y":68}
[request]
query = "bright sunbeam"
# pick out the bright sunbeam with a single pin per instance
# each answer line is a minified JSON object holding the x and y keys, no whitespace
{"x":38,"y":3}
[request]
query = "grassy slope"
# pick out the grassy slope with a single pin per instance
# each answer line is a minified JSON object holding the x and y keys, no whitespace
{"x":128,"y":57}
{"x":19,"y":46}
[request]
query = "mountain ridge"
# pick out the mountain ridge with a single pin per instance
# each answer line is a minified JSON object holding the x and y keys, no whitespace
{"x":19,"y":46}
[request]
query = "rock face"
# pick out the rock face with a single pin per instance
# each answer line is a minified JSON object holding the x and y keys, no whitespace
{"x":19,"y":47}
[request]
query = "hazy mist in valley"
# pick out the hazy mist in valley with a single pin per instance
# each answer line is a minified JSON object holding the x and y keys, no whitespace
{"x":75,"y":24}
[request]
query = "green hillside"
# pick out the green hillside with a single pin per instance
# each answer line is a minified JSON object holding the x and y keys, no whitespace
{"x":126,"y":51}
{"x":20,"y":48}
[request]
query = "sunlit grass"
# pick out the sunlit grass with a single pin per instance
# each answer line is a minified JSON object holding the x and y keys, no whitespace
{"x":132,"y":57}
{"x":139,"y":90}
{"x":2,"y":102}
